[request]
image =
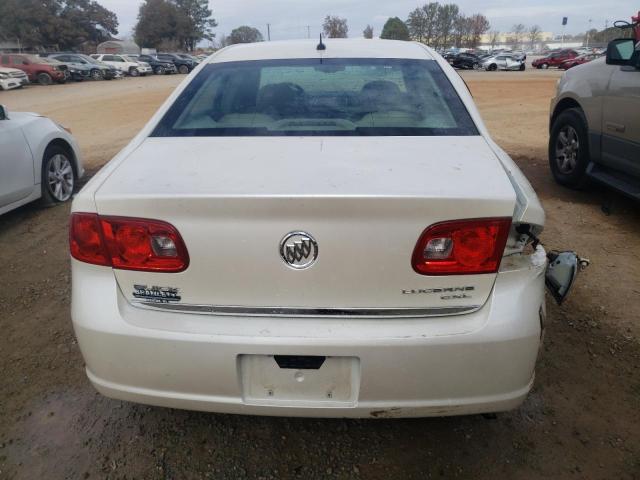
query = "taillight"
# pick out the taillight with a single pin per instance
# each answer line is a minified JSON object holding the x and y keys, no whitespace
{"x":85,"y":239}
{"x":461,"y":247}
{"x":127,"y":243}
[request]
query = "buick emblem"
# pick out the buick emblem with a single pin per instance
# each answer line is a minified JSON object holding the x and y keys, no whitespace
{"x":299,"y":250}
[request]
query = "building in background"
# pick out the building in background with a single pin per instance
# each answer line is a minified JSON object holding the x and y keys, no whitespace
{"x":9,"y":46}
{"x":121,"y":47}
{"x":508,"y":40}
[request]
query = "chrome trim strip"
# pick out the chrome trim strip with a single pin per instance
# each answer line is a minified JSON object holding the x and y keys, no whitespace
{"x":237,"y":311}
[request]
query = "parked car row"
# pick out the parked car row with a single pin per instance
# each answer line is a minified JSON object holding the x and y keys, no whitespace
{"x":485,"y":61}
{"x":17,"y":70}
{"x":566,"y":58}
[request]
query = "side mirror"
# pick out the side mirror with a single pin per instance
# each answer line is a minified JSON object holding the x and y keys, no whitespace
{"x":620,"y":51}
{"x":562,"y":271}
{"x":4,"y":113}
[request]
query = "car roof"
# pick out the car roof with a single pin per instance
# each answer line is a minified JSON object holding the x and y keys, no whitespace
{"x":335,"y":48}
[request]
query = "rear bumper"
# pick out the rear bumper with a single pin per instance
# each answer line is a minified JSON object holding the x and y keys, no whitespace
{"x":474,"y":363}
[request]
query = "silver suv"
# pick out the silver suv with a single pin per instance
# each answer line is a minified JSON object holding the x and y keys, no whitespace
{"x":595,"y":122}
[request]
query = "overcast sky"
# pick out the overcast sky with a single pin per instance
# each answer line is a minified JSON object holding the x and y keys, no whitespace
{"x":290,"y":18}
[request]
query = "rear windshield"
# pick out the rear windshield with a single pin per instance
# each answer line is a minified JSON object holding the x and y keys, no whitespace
{"x":349,"y":97}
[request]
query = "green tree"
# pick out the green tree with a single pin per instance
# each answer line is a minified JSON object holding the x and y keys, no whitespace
{"x":335,"y":27}
{"x":395,"y":29}
{"x":368,"y":32}
{"x":180,"y":22}
{"x":66,"y":24}
{"x":244,"y":34}
{"x":157,"y":23}
{"x":194,"y":22}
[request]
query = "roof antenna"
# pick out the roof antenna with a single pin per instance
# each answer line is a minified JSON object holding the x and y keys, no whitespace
{"x":321,"y":46}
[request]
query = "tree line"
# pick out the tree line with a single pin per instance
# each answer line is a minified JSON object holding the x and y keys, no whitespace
{"x":437,"y":25}
{"x":182,"y":24}
{"x":56,"y":24}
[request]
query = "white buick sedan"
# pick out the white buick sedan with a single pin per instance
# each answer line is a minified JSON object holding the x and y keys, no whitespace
{"x":309,"y":229}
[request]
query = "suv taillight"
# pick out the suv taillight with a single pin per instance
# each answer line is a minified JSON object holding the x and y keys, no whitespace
{"x":127,"y":243}
{"x":461,"y":247}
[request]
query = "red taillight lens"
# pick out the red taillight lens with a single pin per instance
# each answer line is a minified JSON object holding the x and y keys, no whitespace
{"x":128,"y":243}
{"x":85,"y":239}
{"x":461,"y":247}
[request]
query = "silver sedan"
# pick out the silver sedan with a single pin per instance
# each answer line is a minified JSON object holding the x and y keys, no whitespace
{"x":504,"y":62}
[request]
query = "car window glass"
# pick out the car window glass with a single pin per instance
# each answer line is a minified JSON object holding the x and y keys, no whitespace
{"x":623,"y":51}
{"x":5,"y":60}
{"x":304,"y":97}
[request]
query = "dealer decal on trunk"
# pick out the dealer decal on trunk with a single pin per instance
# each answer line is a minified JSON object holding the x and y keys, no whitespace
{"x":156,"y":294}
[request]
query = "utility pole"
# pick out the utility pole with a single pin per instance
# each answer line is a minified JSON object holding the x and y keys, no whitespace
{"x":308,"y":31}
{"x":589,"y":32}
{"x":269,"y":31}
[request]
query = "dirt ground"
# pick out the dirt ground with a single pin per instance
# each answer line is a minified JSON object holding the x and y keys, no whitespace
{"x":581,"y":421}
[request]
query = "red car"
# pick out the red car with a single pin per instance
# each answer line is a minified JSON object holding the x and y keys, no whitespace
{"x":42,"y":70}
{"x":574,"y":62}
{"x":555,"y":59}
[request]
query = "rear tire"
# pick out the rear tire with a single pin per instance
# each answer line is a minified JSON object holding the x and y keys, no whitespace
{"x":569,"y":149}
{"x":44,"y":79}
{"x":58,"y":176}
{"x":183,"y":69}
{"x":493,"y":67}
{"x":544,"y":66}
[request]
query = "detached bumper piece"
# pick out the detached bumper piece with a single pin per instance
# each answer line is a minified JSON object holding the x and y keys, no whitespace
{"x":561,"y":273}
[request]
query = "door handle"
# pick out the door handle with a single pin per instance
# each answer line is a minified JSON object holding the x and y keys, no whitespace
{"x":616,"y":127}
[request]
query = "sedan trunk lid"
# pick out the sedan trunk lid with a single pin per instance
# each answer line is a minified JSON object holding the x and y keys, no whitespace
{"x":365,"y":200}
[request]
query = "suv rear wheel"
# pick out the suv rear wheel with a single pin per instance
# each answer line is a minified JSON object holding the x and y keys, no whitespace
{"x":569,"y":149}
